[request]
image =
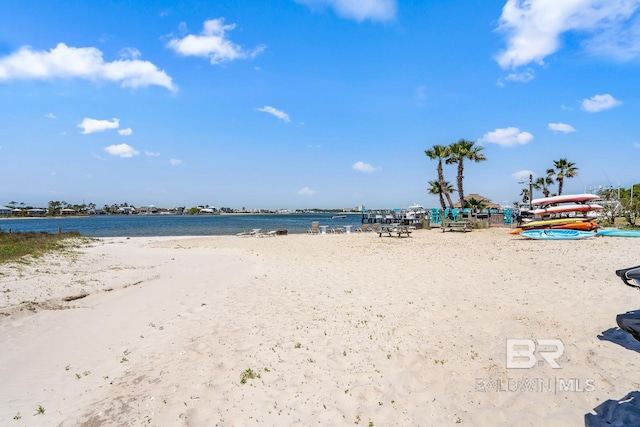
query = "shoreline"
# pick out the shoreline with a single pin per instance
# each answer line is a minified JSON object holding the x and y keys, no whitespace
{"x":339,"y":328}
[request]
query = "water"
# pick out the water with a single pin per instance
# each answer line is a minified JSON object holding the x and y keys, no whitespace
{"x":176,"y":225}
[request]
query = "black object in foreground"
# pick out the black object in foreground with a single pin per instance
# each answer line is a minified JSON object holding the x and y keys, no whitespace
{"x":630,"y":322}
{"x":630,"y":276}
{"x":623,"y":412}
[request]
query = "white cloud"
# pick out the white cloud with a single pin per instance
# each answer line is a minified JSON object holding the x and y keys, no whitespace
{"x":523,"y":175}
{"x":125,"y":132}
{"x":636,"y":144}
{"x":561,"y":127}
{"x":275,"y":112}
{"x":523,"y":77}
{"x":151,"y":154}
{"x":50,"y":116}
{"x":534,"y":27}
{"x":600,"y":103}
{"x":175,"y":162}
{"x":129,"y":53}
{"x":122,"y":150}
{"x":306,"y":191}
{"x":507,"y":137}
{"x":359,"y":10}
{"x":92,"y":125}
{"x":83,"y":63}
{"x":363,"y":167}
{"x":212,"y":44}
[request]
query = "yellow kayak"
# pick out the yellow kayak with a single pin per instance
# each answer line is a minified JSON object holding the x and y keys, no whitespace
{"x":555,"y":221}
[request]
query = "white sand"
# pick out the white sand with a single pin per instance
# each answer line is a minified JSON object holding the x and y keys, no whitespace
{"x":337,"y":329}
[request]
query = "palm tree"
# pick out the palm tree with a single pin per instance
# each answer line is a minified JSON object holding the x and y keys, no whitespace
{"x":440,"y":152}
{"x":458,"y":152}
{"x":477,"y":205}
{"x":438,"y":190}
{"x":543,"y":184}
{"x":525,"y":195}
{"x":563,"y":169}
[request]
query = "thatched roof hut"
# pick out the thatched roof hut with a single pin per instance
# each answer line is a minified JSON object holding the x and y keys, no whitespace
{"x":487,"y":201}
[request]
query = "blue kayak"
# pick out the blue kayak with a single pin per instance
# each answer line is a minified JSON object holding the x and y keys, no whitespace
{"x":554,"y":234}
{"x":614,"y":232}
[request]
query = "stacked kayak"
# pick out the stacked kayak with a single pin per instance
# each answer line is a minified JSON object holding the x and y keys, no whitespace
{"x":566,"y":212}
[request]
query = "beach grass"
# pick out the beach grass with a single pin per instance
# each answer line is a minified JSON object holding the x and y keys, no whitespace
{"x":14,"y":246}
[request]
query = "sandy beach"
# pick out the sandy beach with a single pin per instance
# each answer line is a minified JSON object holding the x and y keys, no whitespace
{"x":348,"y":329}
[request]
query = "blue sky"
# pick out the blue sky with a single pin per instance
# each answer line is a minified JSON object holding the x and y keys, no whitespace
{"x":311,"y":103}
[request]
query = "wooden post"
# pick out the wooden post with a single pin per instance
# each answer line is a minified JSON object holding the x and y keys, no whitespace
{"x":59,"y":231}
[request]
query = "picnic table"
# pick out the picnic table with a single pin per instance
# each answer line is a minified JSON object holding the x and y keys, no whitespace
{"x":456,"y":226}
{"x":390,"y":230}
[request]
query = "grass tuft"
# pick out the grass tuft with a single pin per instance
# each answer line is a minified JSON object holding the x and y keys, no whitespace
{"x":14,"y":246}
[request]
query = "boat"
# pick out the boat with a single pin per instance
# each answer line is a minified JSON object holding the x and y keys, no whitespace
{"x":338,"y":216}
{"x":565,"y":198}
{"x":614,"y":232}
{"x":571,"y":207}
{"x":551,"y":234}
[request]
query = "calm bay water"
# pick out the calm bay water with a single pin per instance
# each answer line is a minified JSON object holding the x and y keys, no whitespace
{"x":176,"y":225}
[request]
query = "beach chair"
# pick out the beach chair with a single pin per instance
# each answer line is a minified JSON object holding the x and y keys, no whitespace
{"x":315,"y":228}
{"x":364,"y":227}
{"x":375,"y":227}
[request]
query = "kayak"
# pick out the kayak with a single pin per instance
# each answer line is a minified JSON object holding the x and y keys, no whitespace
{"x":565,"y":198}
{"x":571,"y":207}
{"x":550,"y":234}
{"x":555,"y":221}
{"x":614,"y":232}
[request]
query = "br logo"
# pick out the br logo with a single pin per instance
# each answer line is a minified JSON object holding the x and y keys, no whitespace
{"x":521,"y":353}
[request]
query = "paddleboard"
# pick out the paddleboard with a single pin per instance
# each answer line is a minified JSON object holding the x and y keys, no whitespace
{"x":550,"y":234}
{"x":571,"y":207}
{"x":614,"y":232}
{"x":565,"y":198}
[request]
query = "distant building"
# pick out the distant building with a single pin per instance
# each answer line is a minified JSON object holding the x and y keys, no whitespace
{"x":127,"y":210}
{"x":209,"y":211}
{"x":36,"y":212}
{"x":146,"y":210}
{"x":67,"y":212}
{"x":5,"y":210}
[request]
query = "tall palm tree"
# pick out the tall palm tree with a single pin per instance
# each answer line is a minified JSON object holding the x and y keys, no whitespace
{"x":525,"y":195}
{"x":440,"y":153}
{"x":543,"y":183}
{"x":436,"y":189}
{"x":458,"y":152}
{"x":563,"y":169}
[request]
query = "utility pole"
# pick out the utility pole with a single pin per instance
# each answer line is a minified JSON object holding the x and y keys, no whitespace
{"x":530,"y":191}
